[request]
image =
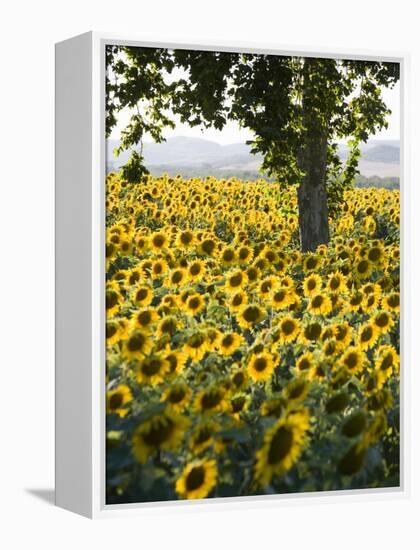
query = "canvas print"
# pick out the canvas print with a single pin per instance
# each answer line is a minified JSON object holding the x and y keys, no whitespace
{"x":252,"y":274}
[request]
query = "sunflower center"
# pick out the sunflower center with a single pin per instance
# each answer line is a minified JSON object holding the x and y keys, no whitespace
{"x":394,"y":300}
{"x":186,"y":238}
{"x":211,"y":400}
{"x":111,"y":299}
{"x":335,"y":283}
{"x":313,"y":331}
{"x":311,"y":263}
{"x":280,"y":445}
{"x":195,"y":269}
{"x":251,"y":314}
{"x":159,"y":432}
{"x":260,"y":364}
{"x":144,"y":318}
{"x":195,"y":478}
{"x":196,"y":340}
{"x":317,"y":301}
{"x":141,"y":294}
{"x":387,"y":361}
{"x":151,"y":366}
{"x":367,"y":334}
{"x":208,"y":246}
{"x":177,"y":277}
{"x":237,"y":300}
{"x":304,"y":364}
{"x":228,"y":255}
{"x":158,"y":241}
{"x":227,"y":341}
{"x":362,"y":266}
{"x":194,"y":303}
{"x":279,"y":296}
{"x":176,"y":395}
{"x":115,"y":401}
{"x":111,"y":330}
{"x":382,"y":320}
{"x":136,"y":342}
{"x":243,"y":253}
{"x":311,"y":284}
{"x":235,"y":280}
{"x":288,"y":327}
{"x":351,"y":360}
{"x":374,"y":254}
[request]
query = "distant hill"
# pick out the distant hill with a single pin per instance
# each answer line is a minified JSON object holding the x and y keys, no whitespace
{"x":193,"y":157}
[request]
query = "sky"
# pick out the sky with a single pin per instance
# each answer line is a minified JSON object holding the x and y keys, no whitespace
{"x":232,"y":133}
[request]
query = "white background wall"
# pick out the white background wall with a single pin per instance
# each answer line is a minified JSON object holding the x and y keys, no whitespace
{"x":28,"y":32}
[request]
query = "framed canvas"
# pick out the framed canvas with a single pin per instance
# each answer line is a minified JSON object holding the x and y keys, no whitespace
{"x":228,"y":251}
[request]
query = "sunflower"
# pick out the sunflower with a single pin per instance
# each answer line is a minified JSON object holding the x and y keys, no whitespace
{"x":197,"y":345}
{"x":237,"y":301}
{"x":355,"y":424}
{"x":282,"y":446}
{"x":159,"y":268}
{"x":289,"y":329}
{"x":353,"y":359}
{"x":112,"y":331}
{"x":144,"y":318}
{"x":177,"y":396}
{"x":198,"y":479}
{"x":142,"y":295}
{"x":386,"y":360}
{"x":261,"y":366}
{"x":363,"y":269}
{"x":311,"y":262}
{"x":185,"y":239}
{"x":176,"y":359}
{"x":238,"y":404}
{"x":137,"y":345}
{"x":159,"y":241}
{"x":245,"y":254}
{"x":354,"y":459}
{"x":113,"y":300}
{"x":167,"y":326}
{"x":281,"y":299}
{"x":367,"y":335}
{"x":250,"y":315}
{"x":297,"y":389}
{"x":383,"y":321}
{"x":391,"y":302}
{"x":311,"y":332}
{"x":275,"y":406}
{"x":117,"y":398}
{"x":337,"y":283}
{"x":207,"y":247}
{"x":356,"y":301}
{"x":227,"y":256}
{"x":210,"y":400}
{"x":320,"y":304}
{"x":229,"y":342}
{"x":178,"y":277}
{"x":152,"y":369}
{"x":342,"y":334}
{"x":202,"y":436}
{"x":196,"y":270}
{"x":163,"y":431}
{"x":305,"y":365}
{"x":195,"y":303}
{"x":236,"y":280}
{"x":312,"y":284}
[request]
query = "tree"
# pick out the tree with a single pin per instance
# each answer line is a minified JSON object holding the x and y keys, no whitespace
{"x":297,"y":108}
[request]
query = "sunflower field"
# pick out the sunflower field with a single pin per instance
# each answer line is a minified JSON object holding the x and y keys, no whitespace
{"x":237,"y":365}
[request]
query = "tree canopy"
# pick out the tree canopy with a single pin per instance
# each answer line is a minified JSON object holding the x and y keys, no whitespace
{"x":297,"y":109}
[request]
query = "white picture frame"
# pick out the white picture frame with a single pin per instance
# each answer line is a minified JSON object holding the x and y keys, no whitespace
{"x":80,"y":278}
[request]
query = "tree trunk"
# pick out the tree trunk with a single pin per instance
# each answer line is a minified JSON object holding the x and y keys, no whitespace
{"x":312,"y":194}
{"x":312,"y":161}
